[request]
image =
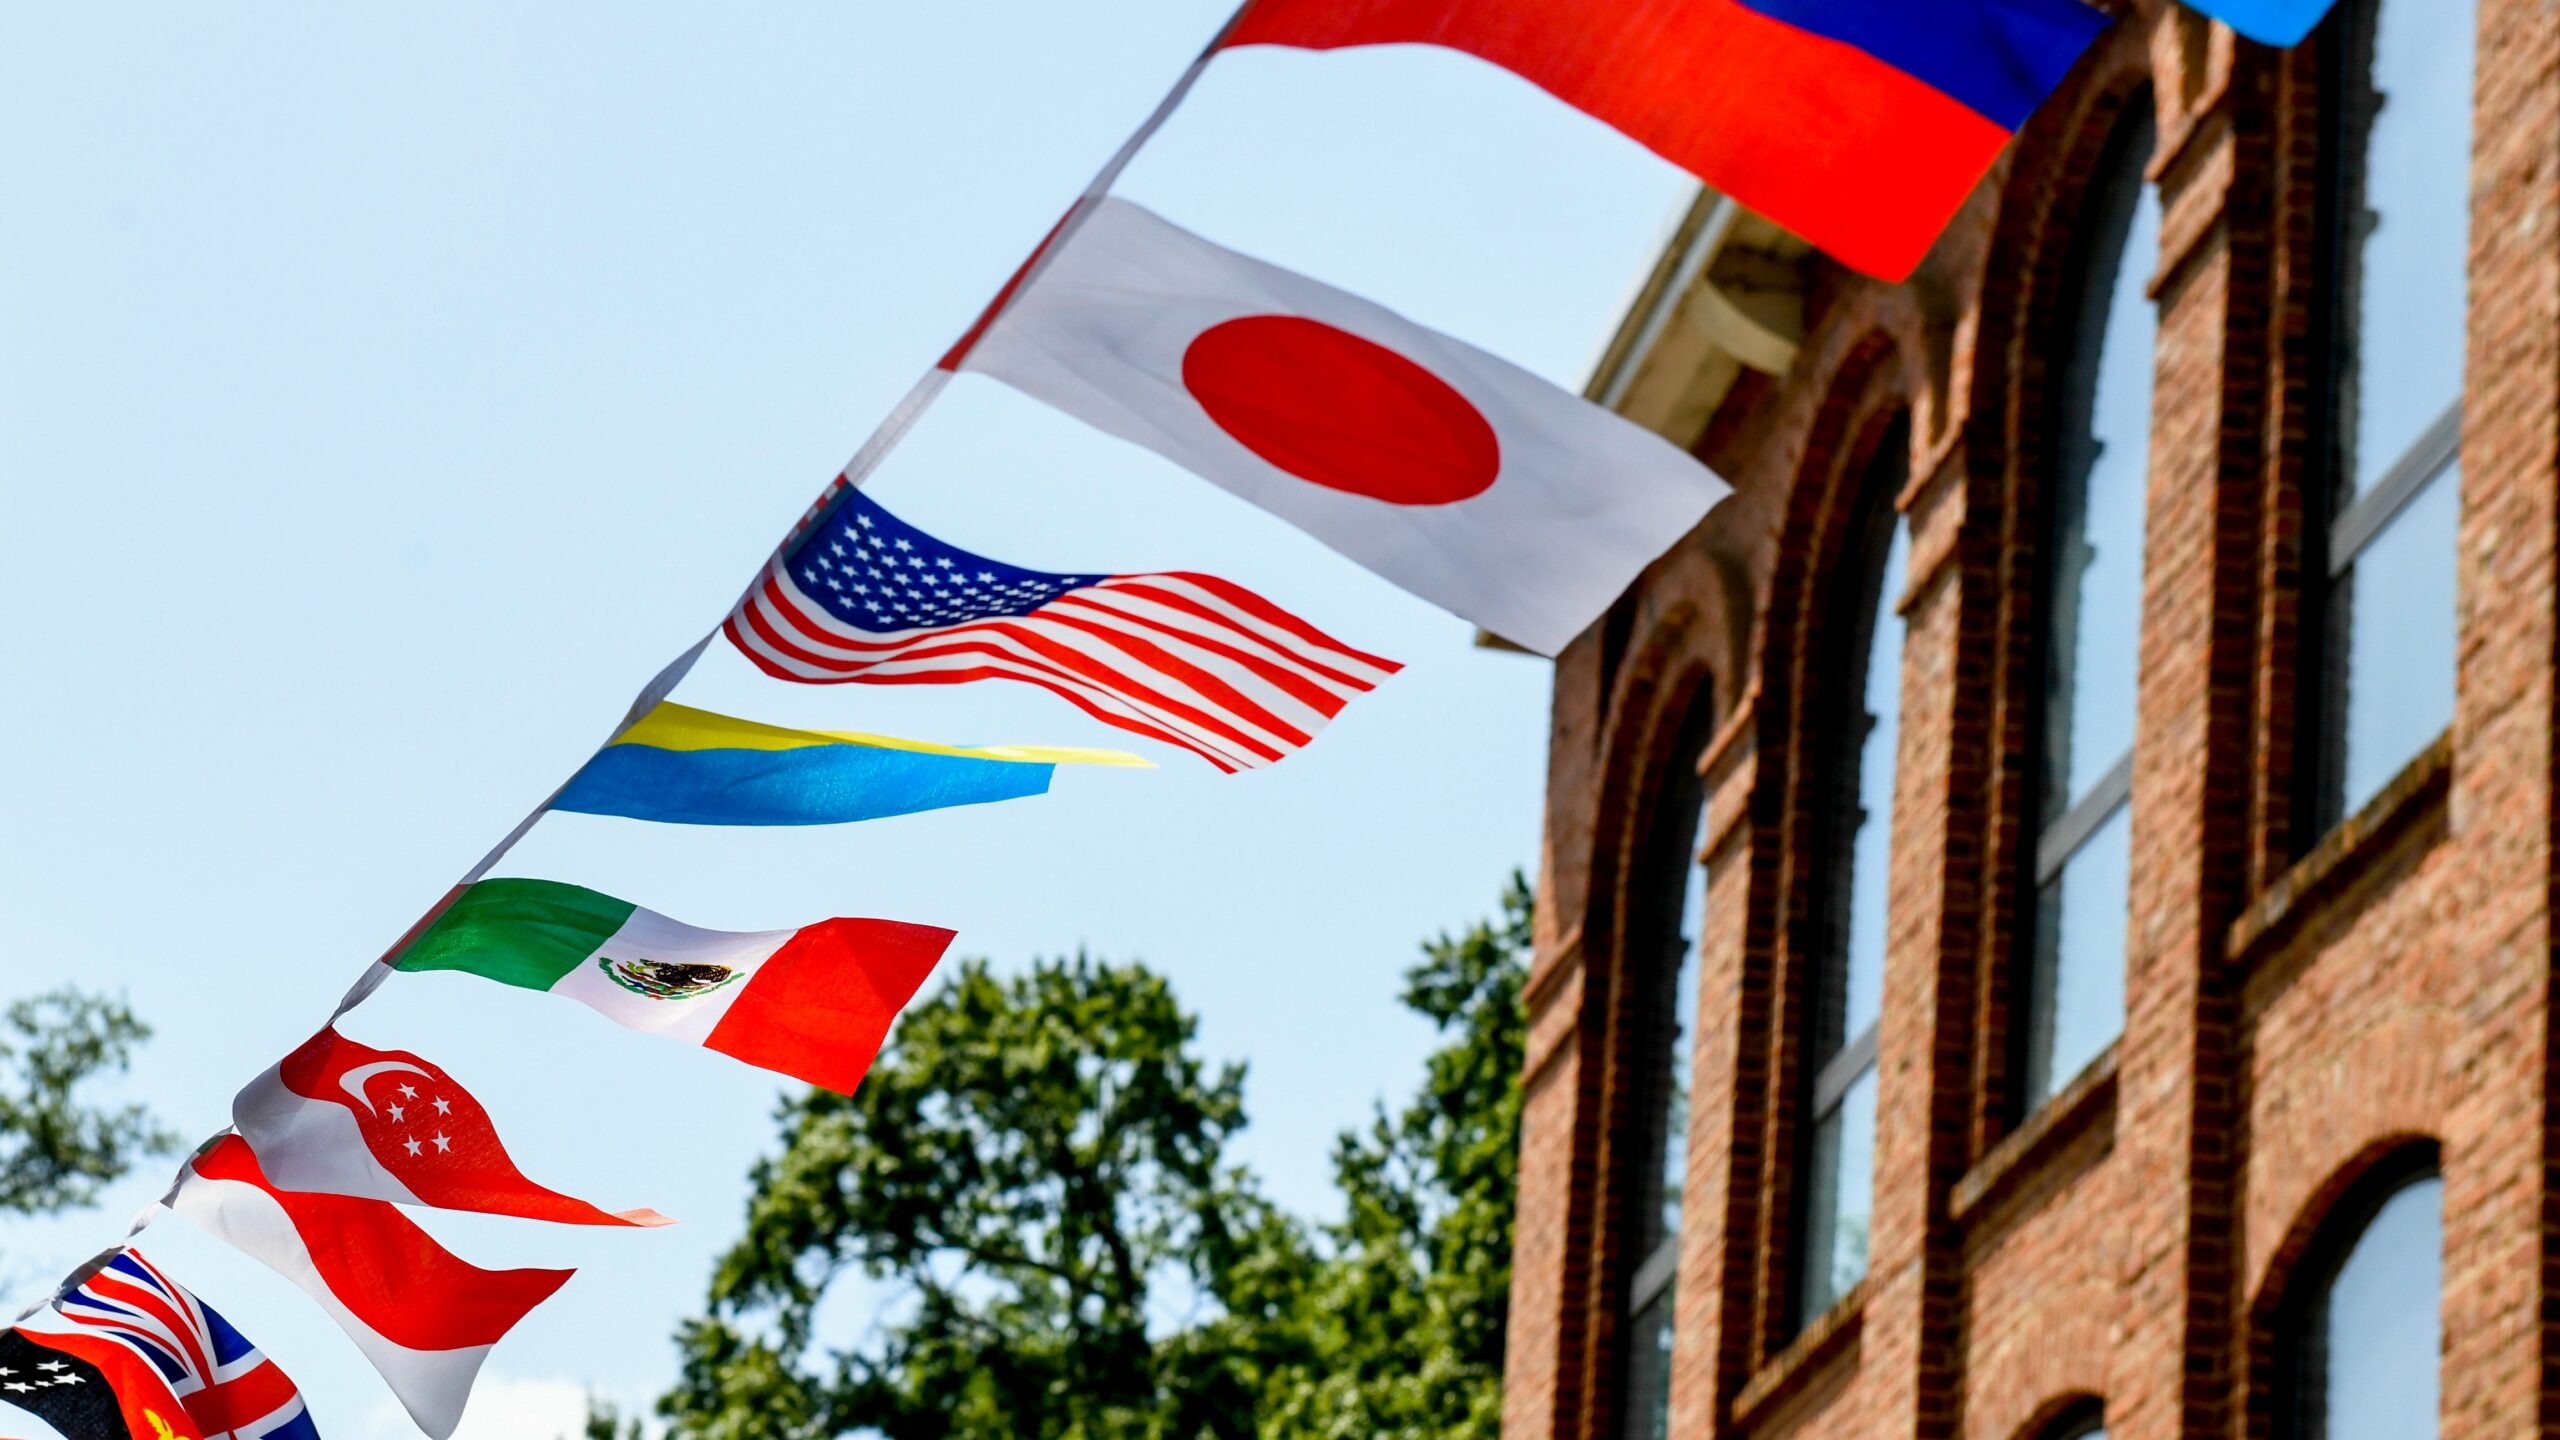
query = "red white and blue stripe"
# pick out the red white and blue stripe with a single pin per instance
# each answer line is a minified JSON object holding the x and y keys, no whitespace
{"x":229,"y":1389}
{"x":862,"y":597}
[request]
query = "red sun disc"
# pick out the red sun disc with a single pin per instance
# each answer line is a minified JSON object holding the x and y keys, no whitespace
{"x":1341,"y":411}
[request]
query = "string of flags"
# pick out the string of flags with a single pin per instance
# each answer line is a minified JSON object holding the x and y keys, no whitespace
{"x":1451,"y":473}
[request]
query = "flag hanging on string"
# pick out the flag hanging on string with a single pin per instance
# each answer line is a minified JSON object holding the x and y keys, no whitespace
{"x":88,"y":1388}
{"x":1858,"y":124}
{"x":2270,"y":22}
{"x":346,"y":1119}
{"x":422,"y":1315}
{"x":1456,"y":475}
{"x":863,"y":597}
{"x":813,"y":1003}
{"x":683,"y":766}
{"x":227,"y":1388}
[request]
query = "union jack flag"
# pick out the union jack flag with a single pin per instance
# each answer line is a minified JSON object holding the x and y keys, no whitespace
{"x":860,"y":596}
{"x":229,"y":1389}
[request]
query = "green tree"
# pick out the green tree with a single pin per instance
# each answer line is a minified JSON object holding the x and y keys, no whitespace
{"x":55,"y":1149}
{"x":1036,"y":1170}
{"x":1406,"y":1313}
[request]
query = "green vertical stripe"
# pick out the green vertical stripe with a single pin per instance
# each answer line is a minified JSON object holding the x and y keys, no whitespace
{"x":518,"y":932}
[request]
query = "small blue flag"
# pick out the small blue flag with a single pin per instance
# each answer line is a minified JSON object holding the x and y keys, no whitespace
{"x":2270,"y":22}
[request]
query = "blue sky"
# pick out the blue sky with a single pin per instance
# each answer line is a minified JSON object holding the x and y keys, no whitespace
{"x":387,"y":392}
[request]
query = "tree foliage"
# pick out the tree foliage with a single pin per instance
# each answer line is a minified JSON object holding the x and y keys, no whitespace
{"x":1036,"y":1171}
{"x":1036,"y":1176}
{"x":55,"y":1149}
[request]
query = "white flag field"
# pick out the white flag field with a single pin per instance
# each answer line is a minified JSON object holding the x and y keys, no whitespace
{"x":1455,"y":474}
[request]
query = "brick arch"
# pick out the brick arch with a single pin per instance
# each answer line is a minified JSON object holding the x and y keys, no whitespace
{"x":2055,"y":1371}
{"x":2051,"y":1374}
{"x":2318,"y":1224}
{"x":2067,"y":1414}
{"x":2382,"y":1089}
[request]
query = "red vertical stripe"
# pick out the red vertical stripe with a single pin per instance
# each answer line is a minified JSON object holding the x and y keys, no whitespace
{"x":819,"y":1009}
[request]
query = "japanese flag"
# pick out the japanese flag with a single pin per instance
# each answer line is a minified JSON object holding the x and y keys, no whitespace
{"x":1458,"y":476}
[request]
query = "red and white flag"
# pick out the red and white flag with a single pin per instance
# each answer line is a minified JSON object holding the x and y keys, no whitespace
{"x":425,"y":1317}
{"x":346,"y":1119}
{"x":1459,"y":476}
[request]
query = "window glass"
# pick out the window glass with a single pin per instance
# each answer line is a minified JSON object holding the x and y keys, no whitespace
{"x":1674,"y":1051}
{"x":1648,"y":1398}
{"x":2375,"y":1337}
{"x":2404,"y":234}
{"x":2078,"y":979}
{"x":1841,"y":1177}
{"x":1683,"y":1059}
{"x":2094,"y":567}
{"x":2395,"y":622}
{"x":1663,"y":1057}
{"x":1862,"y":991}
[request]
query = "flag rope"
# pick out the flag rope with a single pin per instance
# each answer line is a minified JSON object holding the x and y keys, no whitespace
{"x":883,"y":439}
{"x":892,"y":429}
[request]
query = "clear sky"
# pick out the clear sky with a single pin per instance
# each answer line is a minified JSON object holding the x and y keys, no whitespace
{"x":386,"y":392}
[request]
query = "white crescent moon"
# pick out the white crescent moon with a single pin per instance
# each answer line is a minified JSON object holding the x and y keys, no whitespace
{"x":354,"y":1080}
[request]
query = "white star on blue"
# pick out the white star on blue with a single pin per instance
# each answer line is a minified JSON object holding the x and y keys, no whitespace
{"x":860,"y":559}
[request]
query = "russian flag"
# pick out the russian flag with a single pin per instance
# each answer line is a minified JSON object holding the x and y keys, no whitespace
{"x":1860,"y":125}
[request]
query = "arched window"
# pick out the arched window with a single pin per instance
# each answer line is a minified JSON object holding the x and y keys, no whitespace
{"x":1848,"y":997}
{"x":2365,"y":1342}
{"x":2093,"y":621}
{"x":1664,"y":1055}
{"x":2398,"y":201}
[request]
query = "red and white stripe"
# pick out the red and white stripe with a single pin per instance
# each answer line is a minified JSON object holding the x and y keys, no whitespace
{"x":425,"y":1317}
{"x":1188,"y":659}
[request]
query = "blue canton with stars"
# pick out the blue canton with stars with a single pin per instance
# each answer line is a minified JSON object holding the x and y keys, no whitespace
{"x":874,"y":571}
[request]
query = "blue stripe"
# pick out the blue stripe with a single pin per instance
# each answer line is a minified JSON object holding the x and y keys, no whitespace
{"x":230,"y":1347}
{"x":812,"y":785}
{"x":2271,"y":22}
{"x":1998,"y":58}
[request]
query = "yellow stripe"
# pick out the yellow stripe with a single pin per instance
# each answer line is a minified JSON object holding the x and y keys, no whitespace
{"x":681,"y":727}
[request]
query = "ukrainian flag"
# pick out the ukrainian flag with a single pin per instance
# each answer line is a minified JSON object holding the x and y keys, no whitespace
{"x":683,"y":766}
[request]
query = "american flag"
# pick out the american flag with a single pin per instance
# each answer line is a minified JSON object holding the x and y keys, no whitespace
{"x":860,"y":596}
{"x":228,"y":1387}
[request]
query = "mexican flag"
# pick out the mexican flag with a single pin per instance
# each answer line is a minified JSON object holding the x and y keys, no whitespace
{"x":813,"y":1003}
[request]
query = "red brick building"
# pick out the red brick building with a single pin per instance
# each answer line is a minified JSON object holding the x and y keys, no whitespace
{"x":2047,"y":913}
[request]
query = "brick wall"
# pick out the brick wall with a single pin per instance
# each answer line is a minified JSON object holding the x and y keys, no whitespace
{"x":2296,"y":1012}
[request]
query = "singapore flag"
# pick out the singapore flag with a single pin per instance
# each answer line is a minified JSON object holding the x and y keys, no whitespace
{"x":1458,"y":476}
